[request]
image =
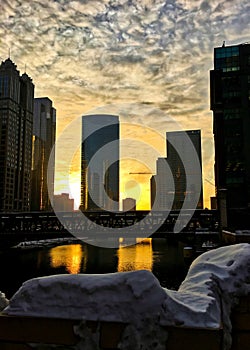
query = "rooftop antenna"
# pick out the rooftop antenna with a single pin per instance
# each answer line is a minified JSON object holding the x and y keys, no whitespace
{"x":224,"y":44}
{"x":9,"y":52}
{"x":25,"y":68}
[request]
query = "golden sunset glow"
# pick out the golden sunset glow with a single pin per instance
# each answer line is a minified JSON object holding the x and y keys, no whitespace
{"x":69,"y":256}
{"x":146,"y":61}
{"x":136,"y":257}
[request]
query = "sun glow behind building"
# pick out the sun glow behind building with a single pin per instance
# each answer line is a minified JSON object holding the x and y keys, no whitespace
{"x":96,"y":53}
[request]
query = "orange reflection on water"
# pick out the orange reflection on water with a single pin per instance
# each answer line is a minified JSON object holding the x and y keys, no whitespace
{"x":136,"y":257}
{"x":69,"y":256}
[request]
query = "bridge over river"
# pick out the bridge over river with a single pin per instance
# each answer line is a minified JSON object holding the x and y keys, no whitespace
{"x":18,"y":226}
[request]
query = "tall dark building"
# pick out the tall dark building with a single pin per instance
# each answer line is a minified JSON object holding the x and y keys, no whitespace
{"x":16,"y":122}
{"x":185,"y":161}
{"x":160,"y":187}
{"x":230,"y":103}
{"x":178,"y":178}
{"x":100,"y":162}
{"x":44,"y":133}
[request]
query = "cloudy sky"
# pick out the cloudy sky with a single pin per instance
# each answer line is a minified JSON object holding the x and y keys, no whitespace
{"x":146,"y":60}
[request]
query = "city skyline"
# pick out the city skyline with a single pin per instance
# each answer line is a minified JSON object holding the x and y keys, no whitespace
{"x":146,"y":62}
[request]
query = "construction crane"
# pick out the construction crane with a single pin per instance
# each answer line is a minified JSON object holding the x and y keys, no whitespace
{"x":140,"y":173}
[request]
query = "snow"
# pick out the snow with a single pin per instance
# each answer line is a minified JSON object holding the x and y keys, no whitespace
{"x":134,"y":298}
{"x":3,"y":301}
{"x":213,"y":285}
{"x":242,"y":232}
{"x":118,"y":297}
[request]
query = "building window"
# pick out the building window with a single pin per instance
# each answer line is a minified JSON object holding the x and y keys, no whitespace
{"x":4,"y":86}
{"x":227,"y":59}
{"x":231,"y":113}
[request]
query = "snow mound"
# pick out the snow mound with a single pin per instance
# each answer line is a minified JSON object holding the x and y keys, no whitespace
{"x":3,"y":301}
{"x":214,"y":283}
{"x":119,"y":297}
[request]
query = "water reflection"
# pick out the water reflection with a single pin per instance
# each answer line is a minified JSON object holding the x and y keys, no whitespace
{"x":163,"y":258}
{"x":75,"y":258}
{"x":135,"y":257}
{"x":70,"y":256}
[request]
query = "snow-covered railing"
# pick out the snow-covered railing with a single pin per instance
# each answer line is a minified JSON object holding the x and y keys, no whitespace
{"x":135,"y":309}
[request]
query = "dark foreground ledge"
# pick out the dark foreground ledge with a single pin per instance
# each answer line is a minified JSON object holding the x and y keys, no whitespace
{"x":130,"y":310}
{"x":17,"y":332}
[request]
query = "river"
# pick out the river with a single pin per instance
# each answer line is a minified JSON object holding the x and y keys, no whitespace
{"x":165,"y":260}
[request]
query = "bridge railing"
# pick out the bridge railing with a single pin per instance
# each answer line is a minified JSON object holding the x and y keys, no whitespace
{"x":90,"y":221}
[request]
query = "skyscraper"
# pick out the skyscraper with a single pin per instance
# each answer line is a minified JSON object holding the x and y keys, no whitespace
{"x":62,"y":203}
{"x":230,"y":103}
{"x":161,"y":189}
{"x":178,"y":178}
{"x":100,"y":154}
{"x":44,"y":133}
{"x":183,"y":152}
{"x":16,"y":121}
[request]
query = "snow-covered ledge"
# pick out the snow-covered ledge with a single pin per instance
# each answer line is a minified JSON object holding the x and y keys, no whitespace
{"x":214,"y":283}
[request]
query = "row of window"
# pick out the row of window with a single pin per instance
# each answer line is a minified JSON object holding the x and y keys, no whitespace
{"x":227,"y":51}
{"x":234,"y":180}
{"x":228,"y":64}
{"x":231,"y":113}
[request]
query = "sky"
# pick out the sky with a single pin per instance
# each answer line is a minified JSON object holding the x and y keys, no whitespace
{"x":147,"y":61}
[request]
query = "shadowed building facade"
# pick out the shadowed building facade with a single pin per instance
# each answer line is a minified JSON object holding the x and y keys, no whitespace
{"x":100,"y":154}
{"x":62,"y":202}
{"x":230,"y":103}
{"x":184,"y":158}
{"x":44,"y":133}
{"x":16,"y":122}
{"x":178,"y":179}
{"x":160,"y":187}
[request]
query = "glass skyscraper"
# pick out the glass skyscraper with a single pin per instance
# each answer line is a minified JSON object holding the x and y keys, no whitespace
{"x":183,"y":152}
{"x":178,"y":179}
{"x":230,"y":103}
{"x":44,"y":134}
{"x":100,"y":152}
{"x":16,"y":122}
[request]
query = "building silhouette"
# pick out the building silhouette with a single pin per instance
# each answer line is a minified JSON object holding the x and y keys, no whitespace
{"x":160,"y":186}
{"x":178,"y":177}
{"x":230,"y":103}
{"x":128,"y":204}
{"x":44,"y":133}
{"x":183,"y":150}
{"x":16,"y":122}
{"x":62,"y":203}
{"x":100,"y":153}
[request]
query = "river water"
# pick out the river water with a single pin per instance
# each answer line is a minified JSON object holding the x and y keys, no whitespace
{"x":165,"y":260}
